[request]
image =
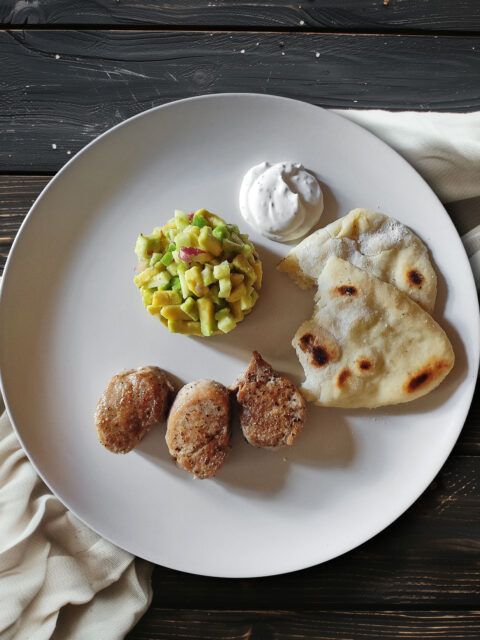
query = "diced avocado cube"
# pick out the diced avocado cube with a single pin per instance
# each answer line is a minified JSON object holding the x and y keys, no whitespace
{"x":156,"y":257}
{"x":154,"y":309}
{"x":213,"y":292}
{"x":171,"y":224}
{"x":206,"y":313}
{"x":193,"y":328}
{"x":198,"y":221}
{"x":172,"y":269}
{"x":211,"y":218}
{"x":183,"y":282}
{"x":222,"y":270}
{"x":220,"y":232}
{"x":190,"y":308}
{"x":247,"y":250}
{"x":161,"y":280}
{"x":231,"y":248}
{"x":221,"y":313}
{"x":208,"y":242}
{"x":203,"y":258}
{"x":141,"y":247}
{"x":236,"y":238}
{"x":236,"y":278}
{"x":207,"y":275}
{"x":181,"y":219}
{"x":174,"y":312}
{"x":194,"y":232}
{"x":225,"y":285}
{"x":146,"y":275}
{"x":184,"y":239}
{"x":242,"y":264}
{"x":156,"y":241}
{"x":194,"y":279}
{"x":227,"y":323}
{"x":249,"y":280}
{"x":236,"y":309}
{"x":147,"y":296}
{"x":247,"y":302}
{"x":187,"y":327}
{"x":257,"y":268}
{"x":237,"y":293}
{"x":167,"y":259}
{"x":164,"y":298}
{"x":175,"y":283}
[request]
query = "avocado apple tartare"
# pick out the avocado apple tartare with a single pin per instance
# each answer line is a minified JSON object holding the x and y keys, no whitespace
{"x":198,"y":274}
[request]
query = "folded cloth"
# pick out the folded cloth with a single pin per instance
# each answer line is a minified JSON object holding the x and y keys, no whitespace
{"x":445,"y":149}
{"x":60,"y":580}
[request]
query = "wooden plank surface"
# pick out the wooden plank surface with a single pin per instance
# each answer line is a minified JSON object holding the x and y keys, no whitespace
{"x":67,"y":87}
{"x":314,"y":625}
{"x":61,"y":88}
{"x":427,"y":558}
{"x":379,"y":15}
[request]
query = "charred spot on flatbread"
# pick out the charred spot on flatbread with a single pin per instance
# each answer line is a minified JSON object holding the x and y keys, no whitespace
{"x":343,"y":377}
{"x":321,"y":346}
{"x":320,"y":355}
{"x":427,"y":374}
{"x":347,"y":290}
{"x":364,"y":364}
{"x":414,"y":278}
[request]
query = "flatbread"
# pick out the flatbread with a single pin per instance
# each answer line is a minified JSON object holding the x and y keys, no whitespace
{"x":383,"y":246}
{"x":368,"y":344}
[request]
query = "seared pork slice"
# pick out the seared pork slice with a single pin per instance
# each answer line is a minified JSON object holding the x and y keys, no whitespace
{"x":198,"y":427}
{"x":272,"y":410}
{"x":129,"y":407}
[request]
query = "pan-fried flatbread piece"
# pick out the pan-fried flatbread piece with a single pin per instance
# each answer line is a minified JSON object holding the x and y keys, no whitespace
{"x":374,"y":242}
{"x":368,"y":344}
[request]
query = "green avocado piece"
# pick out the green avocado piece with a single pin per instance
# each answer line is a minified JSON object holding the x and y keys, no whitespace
{"x":207,"y":317}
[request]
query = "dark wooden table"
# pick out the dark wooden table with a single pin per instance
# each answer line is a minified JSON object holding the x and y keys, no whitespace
{"x":70,"y":69}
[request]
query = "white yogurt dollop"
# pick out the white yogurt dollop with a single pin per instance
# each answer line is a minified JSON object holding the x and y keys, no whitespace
{"x":281,"y":201}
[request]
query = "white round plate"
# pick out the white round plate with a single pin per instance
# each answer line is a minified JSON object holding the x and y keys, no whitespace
{"x":71,"y":317}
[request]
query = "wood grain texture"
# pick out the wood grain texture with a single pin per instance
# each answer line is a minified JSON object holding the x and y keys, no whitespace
{"x":312,"y":625}
{"x":427,"y":15}
{"x":17,"y":194}
{"x":67,"y":87}
{"x":428,"y":558}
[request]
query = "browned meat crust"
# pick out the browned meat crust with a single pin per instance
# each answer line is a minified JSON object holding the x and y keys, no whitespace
{"x":272,"y":410}
{"x":129,"y":407}
{"x":198,"y":427}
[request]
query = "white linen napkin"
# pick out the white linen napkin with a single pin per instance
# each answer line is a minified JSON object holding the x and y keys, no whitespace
{"x":60,"y":580}
{"x":445,"y":149}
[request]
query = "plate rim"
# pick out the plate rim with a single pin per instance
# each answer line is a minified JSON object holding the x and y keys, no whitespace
{"x":453,"y":437}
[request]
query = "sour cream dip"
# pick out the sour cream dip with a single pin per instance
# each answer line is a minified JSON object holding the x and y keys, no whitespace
{"x":282,"y":201}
